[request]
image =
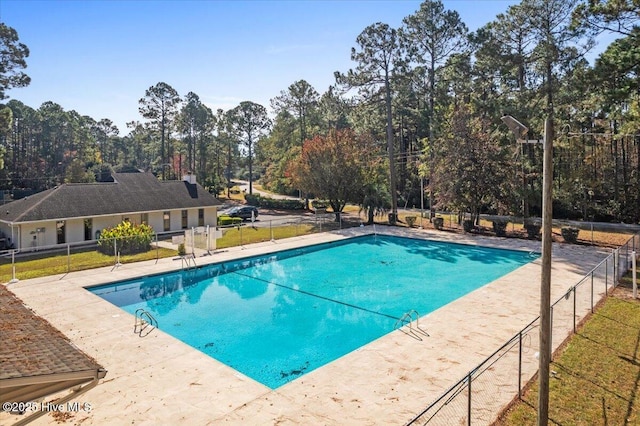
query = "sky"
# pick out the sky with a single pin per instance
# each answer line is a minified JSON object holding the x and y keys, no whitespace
{"x":99,"y":57}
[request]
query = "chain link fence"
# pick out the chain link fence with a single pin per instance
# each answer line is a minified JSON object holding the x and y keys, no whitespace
{"x":478,"y":397}
{"x":65,"y":258}
{"x":70,"y":257}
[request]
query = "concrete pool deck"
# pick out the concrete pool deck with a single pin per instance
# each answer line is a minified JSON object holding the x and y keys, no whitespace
{"x":159,"y":380}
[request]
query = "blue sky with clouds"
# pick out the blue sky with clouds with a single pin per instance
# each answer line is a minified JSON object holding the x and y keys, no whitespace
{"x":99,"y":57}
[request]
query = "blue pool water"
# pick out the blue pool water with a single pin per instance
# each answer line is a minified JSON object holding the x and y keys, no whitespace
{"x":278,"y":316}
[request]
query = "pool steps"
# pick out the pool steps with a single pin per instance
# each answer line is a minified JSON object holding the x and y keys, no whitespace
{"x":144,"y":319}
{"x":408,"y":318}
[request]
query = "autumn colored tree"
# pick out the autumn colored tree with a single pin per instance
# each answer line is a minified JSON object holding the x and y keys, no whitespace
{"x":335,"y":167}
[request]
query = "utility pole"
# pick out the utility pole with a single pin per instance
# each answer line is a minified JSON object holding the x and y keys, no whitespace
{"x":544,"y":353}
{"x":545,"y":282}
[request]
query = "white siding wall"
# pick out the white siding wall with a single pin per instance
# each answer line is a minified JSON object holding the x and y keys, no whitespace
{"x":211,"y":216}
{"x":192,"y":219}
{"x":155,"y":221}
{"x":176,"y":220}
{"x":75,"y":230}
{"x":75,"y":227}
{"x":31,"y":238}
{"x":99,"y":223}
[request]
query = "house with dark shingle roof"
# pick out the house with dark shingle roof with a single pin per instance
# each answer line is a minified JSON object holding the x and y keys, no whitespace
{"x":77,"y":212}
{"x":37,"y":360}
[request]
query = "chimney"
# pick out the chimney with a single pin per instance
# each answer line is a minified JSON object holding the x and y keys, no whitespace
{"x":189,"y":178}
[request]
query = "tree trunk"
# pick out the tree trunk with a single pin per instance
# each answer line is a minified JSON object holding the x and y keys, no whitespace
{"x":392,"y":169}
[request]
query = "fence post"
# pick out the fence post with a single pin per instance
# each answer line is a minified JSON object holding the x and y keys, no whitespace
{"x":68,"y":258}
{"x":115,"y":251}
{"x":271,"y":231}
{"x":13,"y":268}
{"x":574,"y":309}
{"x":626,"y":256}
{"x":634,"y":274}
{"x":469,"y":400}
{"x":615,"y":268}
{"x":605,"y":281}
{"x":208,"y":240}
{"x":606,"y":271}
{"x":550,"y":332}
{"x":520,"y":364}
{"x":240,"y":229}
{"x":193,"y":238}
{"x":157,"y":249}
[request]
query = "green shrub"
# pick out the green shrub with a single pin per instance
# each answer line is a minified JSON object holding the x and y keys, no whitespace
{"x":500,"y":228}
{"x":273,"y":203}
{"x":411,"y":220}
{"x":533,"y":229}
{"x":570,"y":234}
{"x":129,"y":239}
{"x":467,"y":225}
{"x":228,"y":220}
{"x":181,"y":249}
{"x":252,"y":199}
{"x":438,"y":223}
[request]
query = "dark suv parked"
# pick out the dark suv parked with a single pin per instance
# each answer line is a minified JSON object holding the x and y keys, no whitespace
{"x":243,"y":212}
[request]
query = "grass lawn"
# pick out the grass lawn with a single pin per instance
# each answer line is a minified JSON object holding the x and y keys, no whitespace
{"x":59,"y":264}
{"x":595,"y":380}
{"x":247,"y":234}
{"x":51,"y":264}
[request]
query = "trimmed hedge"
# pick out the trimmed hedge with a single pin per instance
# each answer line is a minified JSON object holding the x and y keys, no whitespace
{"x":130,"y":239}
{"x":500,"y":228}
{"x":228,"y":220}
{"x":533,"y":229}
{"x":273,"y":203}
{"x":570,"y":234}
{"x":438,"y":223}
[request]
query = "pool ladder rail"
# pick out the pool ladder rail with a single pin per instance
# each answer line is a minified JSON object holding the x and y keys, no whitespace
{"x":408,"y":319}
{"x":188,"y":259}
{"x":145,"y":322}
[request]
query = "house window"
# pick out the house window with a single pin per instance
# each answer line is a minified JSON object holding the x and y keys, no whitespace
{"x":60,"y":228}
{"x":185,"y":219}
{"x":167,"y":221}
{"x":144,"y":218}
{"x":200,"y":217}
{"x":88,"y":229}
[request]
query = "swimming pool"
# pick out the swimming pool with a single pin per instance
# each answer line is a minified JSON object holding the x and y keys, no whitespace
{"x":276,"y":317}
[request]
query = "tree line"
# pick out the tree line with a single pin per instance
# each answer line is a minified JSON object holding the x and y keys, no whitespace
{"x":416,"y":121}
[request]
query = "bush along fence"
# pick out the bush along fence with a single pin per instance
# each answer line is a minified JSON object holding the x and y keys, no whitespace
{"x":478,"y":397}
{"x":133,"y":239}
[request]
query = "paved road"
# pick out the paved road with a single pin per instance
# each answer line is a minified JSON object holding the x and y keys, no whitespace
{"x":244,"y":186}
